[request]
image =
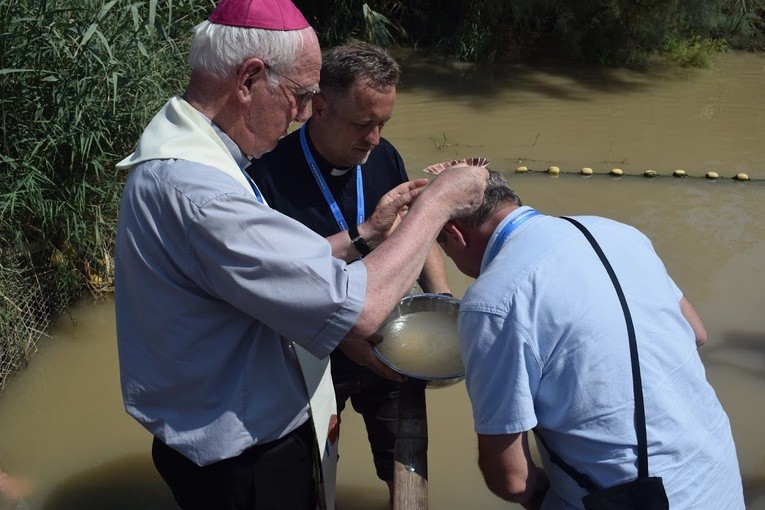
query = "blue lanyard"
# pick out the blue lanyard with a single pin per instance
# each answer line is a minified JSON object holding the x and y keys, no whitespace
{"x":258,"y":194}
{"x":325,"y":189}
{"x":506,"y":231}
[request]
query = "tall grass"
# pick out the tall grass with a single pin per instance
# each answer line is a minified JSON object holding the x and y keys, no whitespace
{"x":79,"y":81}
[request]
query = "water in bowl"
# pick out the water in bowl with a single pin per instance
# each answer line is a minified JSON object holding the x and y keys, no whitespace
{"x":423,"y":344}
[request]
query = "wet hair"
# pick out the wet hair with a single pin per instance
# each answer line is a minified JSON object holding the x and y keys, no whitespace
{"x":219,"y":50}
{"x":344,"y":65}
{"x":497,"y":195}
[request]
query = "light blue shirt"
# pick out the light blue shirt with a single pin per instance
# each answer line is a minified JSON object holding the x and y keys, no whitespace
{"x":544,"y":343}
{"x":211,"y":289}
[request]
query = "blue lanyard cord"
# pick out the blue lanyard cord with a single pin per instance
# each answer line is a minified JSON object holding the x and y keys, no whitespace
{"x":507,"y":230}
{"x":258,"y":194}
{"x":359,"y":197}
{"x":333,"y":206}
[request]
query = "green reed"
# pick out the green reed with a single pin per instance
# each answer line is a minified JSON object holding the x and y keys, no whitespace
{"x":79,"y":80}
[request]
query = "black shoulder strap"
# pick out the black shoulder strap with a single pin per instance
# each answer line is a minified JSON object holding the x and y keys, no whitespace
{"x":580,"y":478}
{"x":642,"y":442}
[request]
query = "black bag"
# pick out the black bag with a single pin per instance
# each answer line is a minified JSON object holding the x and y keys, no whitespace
{"x":641,"y":494}
{"x":645,"y":492}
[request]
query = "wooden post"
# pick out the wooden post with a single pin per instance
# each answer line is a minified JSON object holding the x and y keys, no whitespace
{"x":410,"y":472}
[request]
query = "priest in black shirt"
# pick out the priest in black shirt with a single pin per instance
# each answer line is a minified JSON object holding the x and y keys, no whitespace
{"x":330,"y":175}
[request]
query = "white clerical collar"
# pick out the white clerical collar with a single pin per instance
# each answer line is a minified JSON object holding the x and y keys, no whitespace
{"x":336,"y":172}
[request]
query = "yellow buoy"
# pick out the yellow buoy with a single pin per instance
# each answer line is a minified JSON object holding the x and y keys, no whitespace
{"x":679,"y":173}
{"x":649,"y":173}
{"x":712,"y":175}
{"x":741,"y":177}
{"x":553,"y":170}
{"x":586,"y":171}
{"x":616,"y":171}
{"x":521,"y":170}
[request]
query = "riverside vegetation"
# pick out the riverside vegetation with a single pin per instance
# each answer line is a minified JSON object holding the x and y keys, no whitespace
{"x":80,"y":79}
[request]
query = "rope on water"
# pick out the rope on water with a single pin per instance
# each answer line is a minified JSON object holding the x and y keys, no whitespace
{"x":618,"y":172}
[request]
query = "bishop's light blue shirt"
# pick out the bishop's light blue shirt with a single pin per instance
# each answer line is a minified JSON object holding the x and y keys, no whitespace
{"x":211,"y":289}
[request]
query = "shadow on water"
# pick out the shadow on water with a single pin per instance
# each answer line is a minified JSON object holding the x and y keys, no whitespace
{"x":558,"y":80}
{"x":754,"y":491}
{"x":125,"y":483}
{"x":742,"y":350}
{"x":351,"y":496}
{"x":744,"y":353}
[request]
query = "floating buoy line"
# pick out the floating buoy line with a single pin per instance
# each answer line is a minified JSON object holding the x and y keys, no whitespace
{"x":618,"y":172}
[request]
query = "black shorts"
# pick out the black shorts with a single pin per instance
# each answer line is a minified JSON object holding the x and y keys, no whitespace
{"x":376,"y":400}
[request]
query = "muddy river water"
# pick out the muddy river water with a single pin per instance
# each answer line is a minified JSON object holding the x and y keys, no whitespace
{"x":62,"y":422}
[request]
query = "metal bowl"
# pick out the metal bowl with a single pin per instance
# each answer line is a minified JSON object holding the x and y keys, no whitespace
{"x":420,"y":340}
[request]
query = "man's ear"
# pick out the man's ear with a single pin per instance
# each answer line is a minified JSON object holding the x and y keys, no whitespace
{"x":319,"y":106}
{"x":454,"y":234}
{"x":252,"y":70}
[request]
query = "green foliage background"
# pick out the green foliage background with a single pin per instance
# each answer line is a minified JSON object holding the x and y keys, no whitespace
{"x":80,"y":80}
{"x":612,"y":32}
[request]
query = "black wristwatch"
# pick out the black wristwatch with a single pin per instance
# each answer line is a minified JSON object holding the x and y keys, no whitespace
{"x":357,"y":241}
